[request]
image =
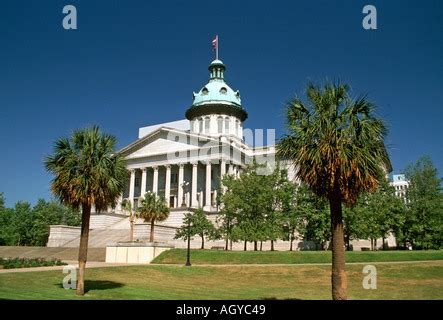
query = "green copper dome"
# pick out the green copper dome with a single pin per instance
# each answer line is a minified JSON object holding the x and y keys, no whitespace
{"x":216,"y":91}
{"x":216,"y":96}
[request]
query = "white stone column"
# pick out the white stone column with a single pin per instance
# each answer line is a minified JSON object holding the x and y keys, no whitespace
{"x":233,"y":128}
{"x":132,"y":187}
{"x":168,"y":185}
{"x":213,"y":124}
{"x":119,"y":203}
{"x":181,"y":174}
{"x":155,"y":180}
{"x":143,"y":185}
{"x":208,"y":184}
{"x":222,"y":168}
{"x":194,"y":185}
{"x":231,"y":168}
{"x":222,"y":171}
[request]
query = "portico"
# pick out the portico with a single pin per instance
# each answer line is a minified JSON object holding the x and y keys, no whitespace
{"x":194,"y":184}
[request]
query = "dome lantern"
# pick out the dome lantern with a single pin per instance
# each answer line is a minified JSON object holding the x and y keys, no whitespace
{"x":216,"y":70}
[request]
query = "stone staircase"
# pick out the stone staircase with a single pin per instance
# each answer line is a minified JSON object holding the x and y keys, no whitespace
{"x":105,"y":220}
{"x":175,"y":218}
{"x":100,"y":238}
{"x":110,"y":228}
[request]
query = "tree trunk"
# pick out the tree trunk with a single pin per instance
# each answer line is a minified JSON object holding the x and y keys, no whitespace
{"x":83,"y":249}
{"x":226,"y":244}
{"x":338,"y":278}
{"x":203,"y":241}
{"x":261,"y":245}
{"x":244,"y":249}
{"x":255,"y":246}
{"x":151,"y":236}
{"x":230,"y":245}
{"x":272,"y":245}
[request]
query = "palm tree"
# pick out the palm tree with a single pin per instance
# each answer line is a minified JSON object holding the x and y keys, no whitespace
{"x":153,"y":208}
{"x":87,"y":173}
{"x":337,"y":147}
{"x":127,"y":206}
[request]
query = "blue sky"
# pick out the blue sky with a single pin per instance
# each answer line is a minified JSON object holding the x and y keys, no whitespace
{"x":135,"y":63}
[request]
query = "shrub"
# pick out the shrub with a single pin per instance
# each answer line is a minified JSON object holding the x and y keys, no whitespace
{"x":11,"y":263}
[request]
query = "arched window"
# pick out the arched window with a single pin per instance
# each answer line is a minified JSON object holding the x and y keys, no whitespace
{"x":207,"y":125}
{"x":200,"y":125}
{"x":220,"y":125}
{"x":223,"y":90}
{"x":227,"y":125}
{"x":205,"y":91}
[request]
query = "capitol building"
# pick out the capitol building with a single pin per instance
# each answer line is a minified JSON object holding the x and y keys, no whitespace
{"x":183,"y":161}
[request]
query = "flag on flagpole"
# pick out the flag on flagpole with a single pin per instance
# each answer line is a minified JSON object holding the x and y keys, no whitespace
{"x":215,"y":46}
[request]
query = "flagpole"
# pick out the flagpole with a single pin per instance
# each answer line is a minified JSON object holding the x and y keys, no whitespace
{"x":216,"y":51}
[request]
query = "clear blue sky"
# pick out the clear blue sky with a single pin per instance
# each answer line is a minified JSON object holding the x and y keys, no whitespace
{"x":136,"y":63}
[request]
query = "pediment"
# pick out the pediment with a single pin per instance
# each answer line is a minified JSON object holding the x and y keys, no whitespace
{"x":162,"y":141}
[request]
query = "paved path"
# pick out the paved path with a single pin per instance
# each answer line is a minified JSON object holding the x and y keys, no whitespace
{"x":72,"y":263}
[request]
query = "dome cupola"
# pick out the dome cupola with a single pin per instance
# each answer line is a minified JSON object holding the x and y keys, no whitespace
{"x":217,"y":104}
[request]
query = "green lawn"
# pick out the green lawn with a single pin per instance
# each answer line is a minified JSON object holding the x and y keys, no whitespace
{"x":395,"y":281}
{"x":178,"y":256}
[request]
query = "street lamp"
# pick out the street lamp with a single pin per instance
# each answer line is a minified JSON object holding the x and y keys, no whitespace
{"x":188,"y":256}
{"x":185,"y":186}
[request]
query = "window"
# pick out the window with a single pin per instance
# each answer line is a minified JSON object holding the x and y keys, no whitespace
{"x":223,"y":90}
{"x":205,"y":91}
{"x":200,"y":125}
{"x":227,"y":125}
{"x":137,"y":182}
{"x":220,"y":125}
{"x":174,"y":178}
{"x":207,"y":124}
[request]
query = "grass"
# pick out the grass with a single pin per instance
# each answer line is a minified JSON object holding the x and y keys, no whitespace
{"x":178,"y":256}
{"x":420,"y":280}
